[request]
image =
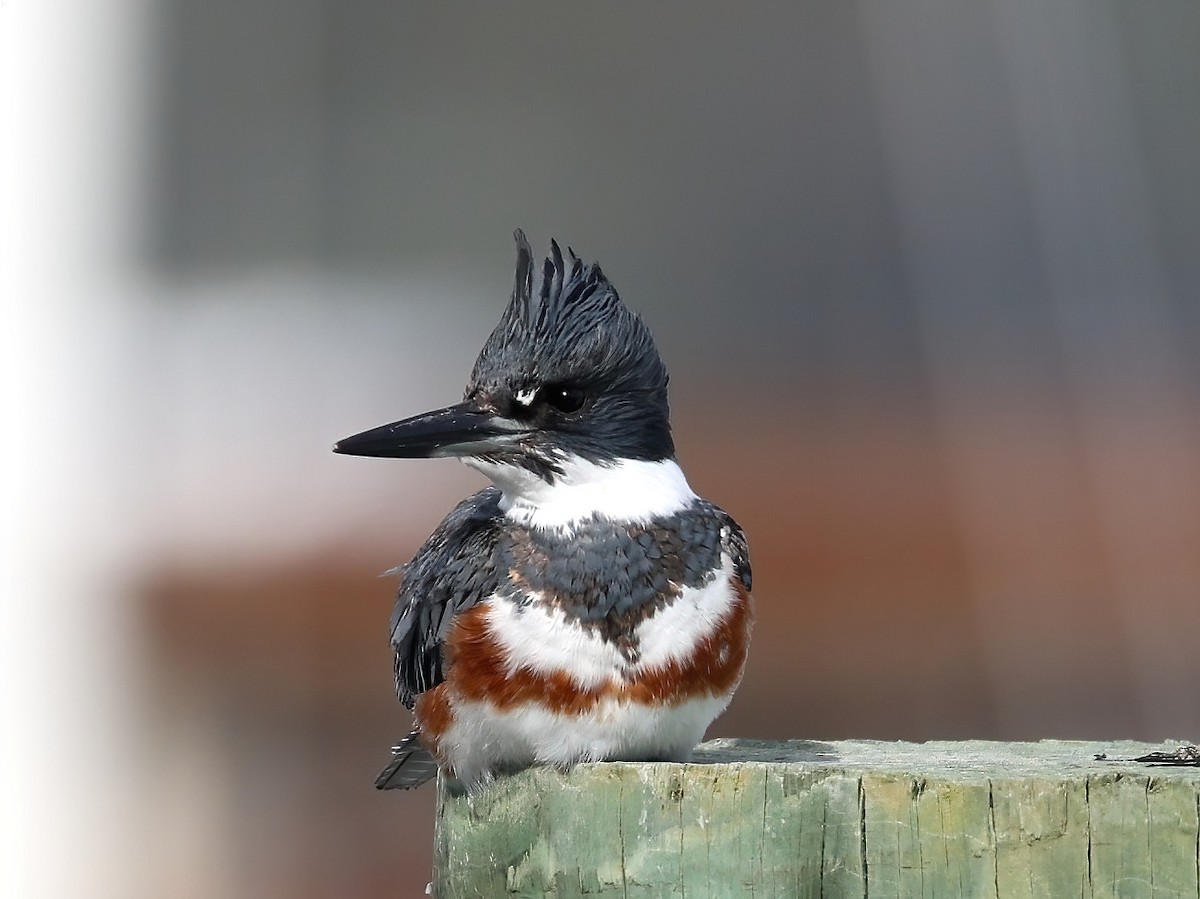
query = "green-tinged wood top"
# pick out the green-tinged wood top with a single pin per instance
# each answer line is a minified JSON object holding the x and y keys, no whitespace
{"x":834,"y":819}
{"x":951,"y":760}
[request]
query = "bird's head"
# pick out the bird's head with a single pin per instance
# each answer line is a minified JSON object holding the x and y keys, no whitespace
{"x":569,"y":375}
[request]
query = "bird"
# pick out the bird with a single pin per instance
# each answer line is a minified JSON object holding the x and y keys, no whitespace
{"x":588,"y":605}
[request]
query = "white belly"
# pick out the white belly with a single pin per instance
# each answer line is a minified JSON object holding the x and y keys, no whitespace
{"x":541,"y":640}
{"x":483,"y":740}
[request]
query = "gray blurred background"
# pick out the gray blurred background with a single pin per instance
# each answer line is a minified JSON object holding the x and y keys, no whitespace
{"x":926,"y":275}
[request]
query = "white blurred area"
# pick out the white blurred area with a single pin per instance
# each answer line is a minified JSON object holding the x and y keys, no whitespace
{"x":924,"y":274}
{"x":151,"y":420}
{"x":72,"y":113}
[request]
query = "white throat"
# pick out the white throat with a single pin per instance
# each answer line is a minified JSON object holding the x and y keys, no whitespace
{"x":626,"y":490}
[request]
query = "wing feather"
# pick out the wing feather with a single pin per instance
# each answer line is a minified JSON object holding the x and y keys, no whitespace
{"x":453,"y":571}
{"x":733,"y":541}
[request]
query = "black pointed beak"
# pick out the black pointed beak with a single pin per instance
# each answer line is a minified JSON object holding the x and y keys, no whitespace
{"x":460,"y":430}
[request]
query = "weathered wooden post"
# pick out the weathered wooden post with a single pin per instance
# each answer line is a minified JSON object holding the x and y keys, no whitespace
{"x":848,"y":819}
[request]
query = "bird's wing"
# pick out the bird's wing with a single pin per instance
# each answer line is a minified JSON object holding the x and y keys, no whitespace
{"x":733,"y":541}
{"x":454,"y":570}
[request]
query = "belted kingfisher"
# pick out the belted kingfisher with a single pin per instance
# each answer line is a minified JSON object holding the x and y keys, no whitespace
{"x":588,"y":606}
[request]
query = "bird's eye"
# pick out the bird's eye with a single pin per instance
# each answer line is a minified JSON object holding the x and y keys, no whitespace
{"x":564,"y":398}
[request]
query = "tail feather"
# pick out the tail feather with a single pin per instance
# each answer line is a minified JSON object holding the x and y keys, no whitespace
{"x":411,"y":765}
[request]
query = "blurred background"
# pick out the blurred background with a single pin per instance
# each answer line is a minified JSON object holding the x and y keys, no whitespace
{"x":926,"y":276}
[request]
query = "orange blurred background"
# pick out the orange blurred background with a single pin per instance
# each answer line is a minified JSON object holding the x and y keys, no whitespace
{"x":925,"y":277}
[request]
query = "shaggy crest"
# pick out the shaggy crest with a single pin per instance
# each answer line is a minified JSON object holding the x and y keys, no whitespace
{"x":571,"y":332}
{"x":573,"y":329}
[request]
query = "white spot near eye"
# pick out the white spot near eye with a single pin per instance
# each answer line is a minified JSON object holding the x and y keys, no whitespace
{"x":525,"y":397}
